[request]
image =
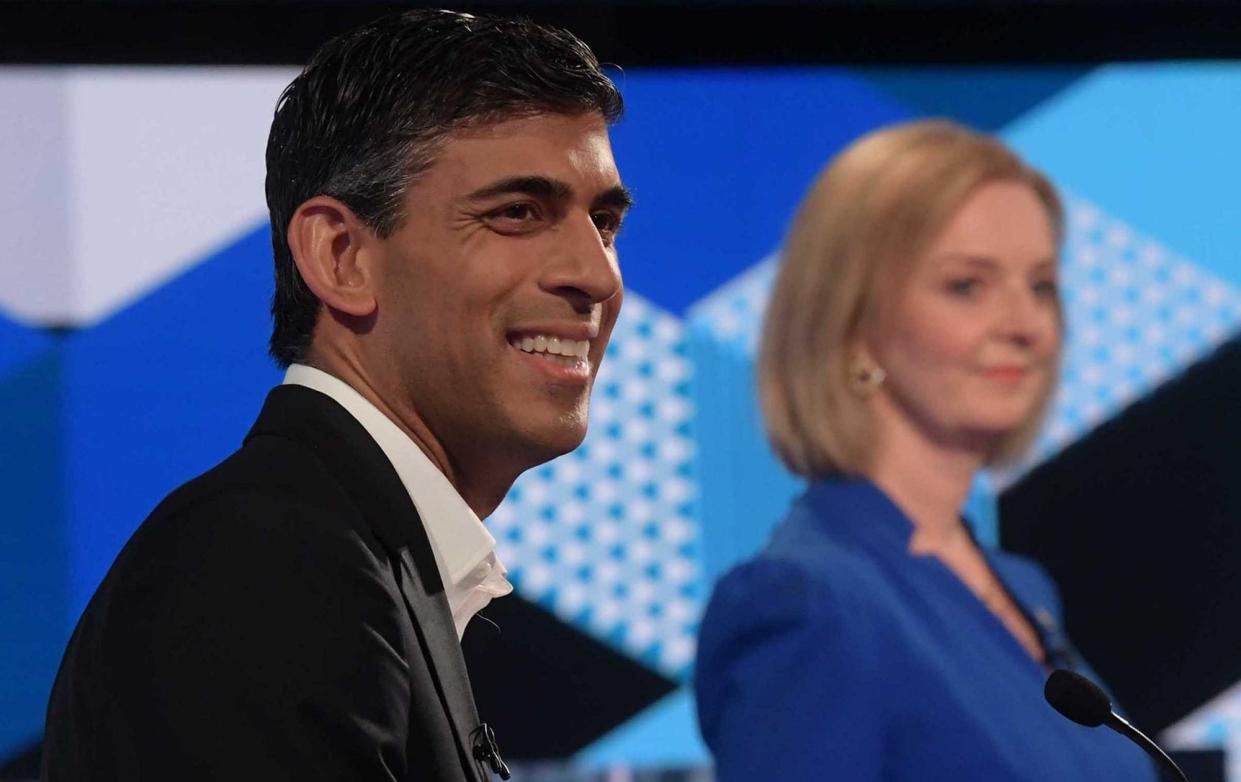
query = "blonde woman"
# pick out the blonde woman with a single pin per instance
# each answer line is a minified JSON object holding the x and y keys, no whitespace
{"x":912,"y":338}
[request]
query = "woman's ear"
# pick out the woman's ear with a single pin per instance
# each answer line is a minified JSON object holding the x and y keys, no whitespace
{"x":331,"y":249}
{"x":866,"y":374}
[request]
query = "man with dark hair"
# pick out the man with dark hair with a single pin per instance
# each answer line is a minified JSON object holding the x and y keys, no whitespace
{"x":444,"y":206}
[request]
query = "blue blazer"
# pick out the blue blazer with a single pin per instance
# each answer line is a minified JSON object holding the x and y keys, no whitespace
{"x":835,"y":655}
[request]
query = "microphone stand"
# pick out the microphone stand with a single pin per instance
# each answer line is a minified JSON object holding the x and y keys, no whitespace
{"x":1123,"y":727}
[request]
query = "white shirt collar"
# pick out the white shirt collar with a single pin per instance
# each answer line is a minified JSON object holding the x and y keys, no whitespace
{"x":464,"y":549}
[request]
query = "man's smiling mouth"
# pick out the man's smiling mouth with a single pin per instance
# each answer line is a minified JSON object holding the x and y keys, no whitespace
{"x":561,"y":350}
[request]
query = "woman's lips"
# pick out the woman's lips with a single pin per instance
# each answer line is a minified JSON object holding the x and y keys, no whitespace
{"x":1008,"y":374}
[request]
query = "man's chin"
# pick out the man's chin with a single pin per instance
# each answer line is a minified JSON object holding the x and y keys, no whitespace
{"x":566,"y":440}
{"x":541,"y":435}
{"x":553,"y":441}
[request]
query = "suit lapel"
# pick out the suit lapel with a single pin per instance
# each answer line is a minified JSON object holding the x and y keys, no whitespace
{"x":351,"y":454}
{"x":438,"y":636}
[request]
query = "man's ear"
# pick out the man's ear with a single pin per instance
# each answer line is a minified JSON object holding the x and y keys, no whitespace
{"x":332,"y":249}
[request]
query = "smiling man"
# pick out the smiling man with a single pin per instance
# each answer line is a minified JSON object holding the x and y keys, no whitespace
{"x":444,"y":210}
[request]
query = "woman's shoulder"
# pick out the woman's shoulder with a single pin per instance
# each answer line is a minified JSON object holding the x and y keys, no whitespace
{"x":783,"y":649}
{"x":799,"y":580}
{"x":786,"y":623}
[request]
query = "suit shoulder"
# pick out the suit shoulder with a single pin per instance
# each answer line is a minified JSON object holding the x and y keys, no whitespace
{"x":270,"y":514}
{"x":271,"y":485}
{"x":275,"y":467}
{"x":242,"y":609}
{"x":250,"y":550}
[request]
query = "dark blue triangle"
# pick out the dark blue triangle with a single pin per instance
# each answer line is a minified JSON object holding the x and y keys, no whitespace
{"x":984,"y":97}
{"x":19,"y":344}
{"x":718,"y":160}
{"x":34,"y":591}
{"x":161,"y":391}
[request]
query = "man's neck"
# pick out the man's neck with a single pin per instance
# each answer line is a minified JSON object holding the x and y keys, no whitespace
{"x":481,"y":497}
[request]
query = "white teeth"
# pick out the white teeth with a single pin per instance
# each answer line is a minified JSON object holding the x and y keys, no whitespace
{"x":555,"y":346}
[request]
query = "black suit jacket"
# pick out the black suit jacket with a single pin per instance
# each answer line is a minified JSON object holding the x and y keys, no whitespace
{"x":280,"y":617}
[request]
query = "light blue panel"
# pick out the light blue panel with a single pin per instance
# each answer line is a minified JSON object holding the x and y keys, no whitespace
{"x":1154,"y":145}
{"x":160,"y":392}
{"x":607,"y":537}
{"x":666,"y":734}
{"x":745,"y":489}
{"x":982,"y":512}
{"x":33,"y":549}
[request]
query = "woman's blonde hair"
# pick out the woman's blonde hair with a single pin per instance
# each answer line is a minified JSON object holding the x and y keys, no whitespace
{"x":873,"y":210}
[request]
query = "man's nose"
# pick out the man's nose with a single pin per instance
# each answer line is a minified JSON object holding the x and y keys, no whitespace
{"x":585,"y":270}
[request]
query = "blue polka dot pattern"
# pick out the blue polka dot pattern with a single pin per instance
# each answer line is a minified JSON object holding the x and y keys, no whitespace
{"x":607,"y":537}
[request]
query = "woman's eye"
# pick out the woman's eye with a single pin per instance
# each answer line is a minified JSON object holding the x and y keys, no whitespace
{"x":964,"y":287}
{"x":1047,"y":289}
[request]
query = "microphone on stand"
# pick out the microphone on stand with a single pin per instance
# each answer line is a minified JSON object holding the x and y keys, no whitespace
{"x":1084,"y":702}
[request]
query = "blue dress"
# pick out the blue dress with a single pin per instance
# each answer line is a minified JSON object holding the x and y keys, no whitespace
{"x":836,"y":655}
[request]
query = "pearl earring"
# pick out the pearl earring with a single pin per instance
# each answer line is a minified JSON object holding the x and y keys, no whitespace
{"x":868,"y":376}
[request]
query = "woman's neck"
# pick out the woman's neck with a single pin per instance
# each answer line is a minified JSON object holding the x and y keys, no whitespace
{"x":926,"y":480}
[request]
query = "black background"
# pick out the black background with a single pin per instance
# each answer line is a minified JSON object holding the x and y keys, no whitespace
{"x":647,"y":32}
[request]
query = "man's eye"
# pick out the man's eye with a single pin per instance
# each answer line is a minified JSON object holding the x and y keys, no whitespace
{"x":608,"y":223}
{"x":520,"y":218}
{"x":519,"y":212}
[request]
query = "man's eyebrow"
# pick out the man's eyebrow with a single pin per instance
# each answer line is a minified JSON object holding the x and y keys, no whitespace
{"x":537,"y":186}
{"x":617,"y":197}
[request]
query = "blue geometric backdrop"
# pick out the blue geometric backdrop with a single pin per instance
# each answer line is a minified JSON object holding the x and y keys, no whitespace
{"x":624,"y":537}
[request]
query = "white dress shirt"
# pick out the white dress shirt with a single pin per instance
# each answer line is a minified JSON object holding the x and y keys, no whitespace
{"x":464,"y":549}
